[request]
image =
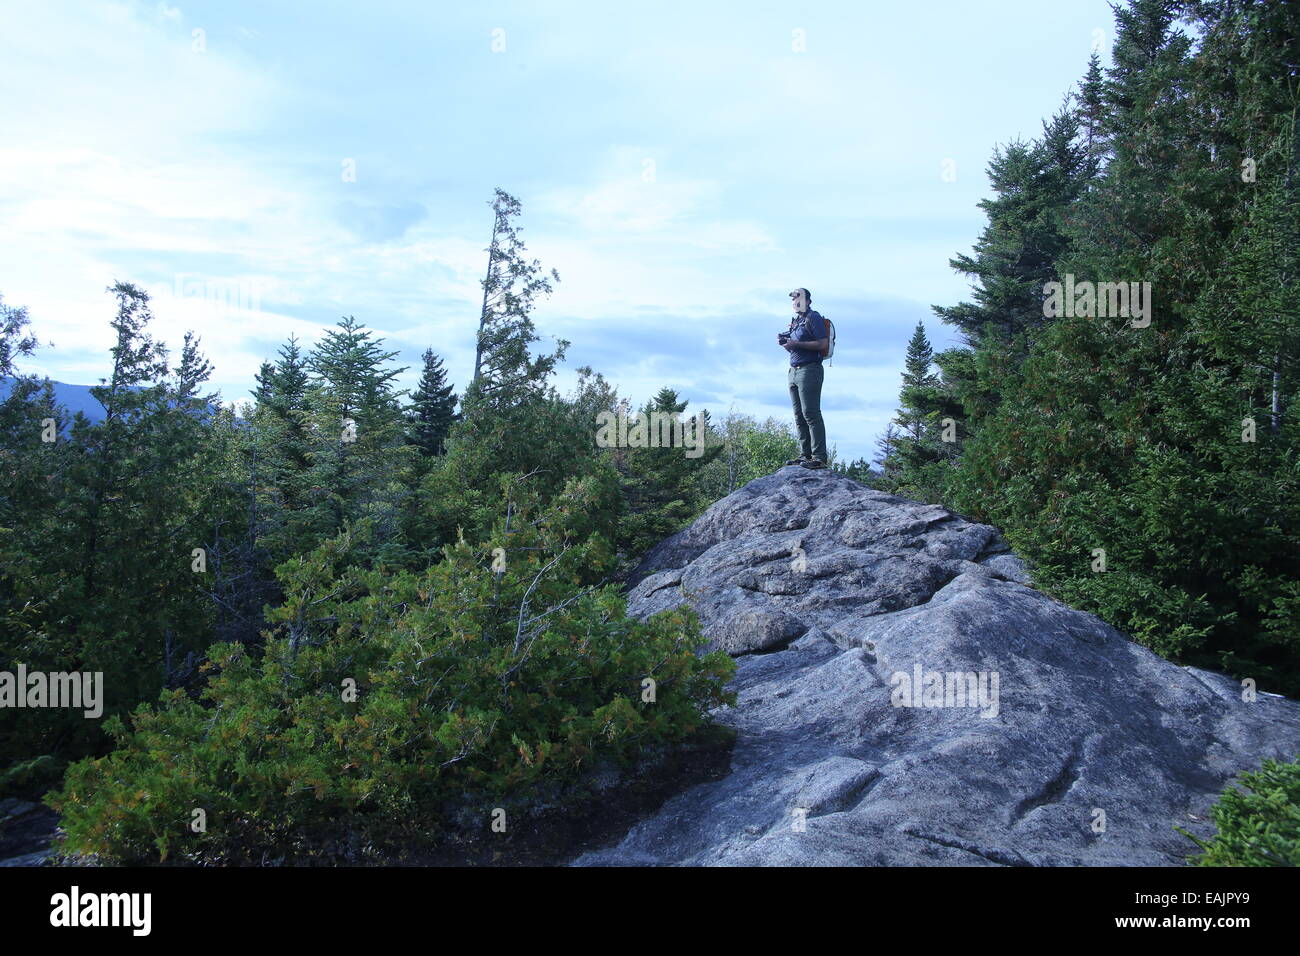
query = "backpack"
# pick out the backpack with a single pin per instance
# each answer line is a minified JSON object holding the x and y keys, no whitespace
{"x":830,"y":336}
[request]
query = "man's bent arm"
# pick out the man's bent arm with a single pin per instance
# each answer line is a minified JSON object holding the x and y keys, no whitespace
{"x":809,"y":345}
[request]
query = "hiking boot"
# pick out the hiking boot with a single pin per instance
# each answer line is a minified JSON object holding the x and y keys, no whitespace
{"x":796,"y":461}
{"x":813,"y":463}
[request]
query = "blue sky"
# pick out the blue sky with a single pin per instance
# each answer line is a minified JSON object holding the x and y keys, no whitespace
{"x":683,"y":166}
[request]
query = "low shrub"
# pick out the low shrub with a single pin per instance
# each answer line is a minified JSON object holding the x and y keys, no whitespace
{"x":387,"y":705}
{"x":1259,"y":826}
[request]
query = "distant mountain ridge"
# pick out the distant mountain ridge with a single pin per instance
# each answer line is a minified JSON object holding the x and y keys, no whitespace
{"x":75,"y":398}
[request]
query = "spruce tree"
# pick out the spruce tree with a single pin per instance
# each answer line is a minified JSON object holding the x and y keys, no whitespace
{"x":1037,"y":187}
{"x":887,"y":461}
{"x":279,"y":457}
{"x":917,"y":450}
{"x":657,"y":481}
{"x":432,"y":410}
{"x":504,"y":370}
{"x":510,"y":413}
{"x":918,"y":381}
{"x":358,"y":442}
{"x":1170,"y":447}
{"x":15,"y":337}
{"x":31,"y":506}
{"x":114,"y":575}
{"x":1092,"y":108}
{"x":512,"y":421}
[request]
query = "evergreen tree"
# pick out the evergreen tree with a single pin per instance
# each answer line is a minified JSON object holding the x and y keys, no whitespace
{"x":504,"y":371}
{"x":859,"y":470}
{"x":359,"y":454}
{"x":111,"y":579}
{"x":265,"y":379}
{"x":917,"y":452}
{"x":887,"y":461}
{"x":15,"y":337}
{"x":290,"y":378}
{"x":512,"y":422}
{"x":918,"y":383}
{"x":433,"y":408}
{"x":1092,"y":109}
{"x":1136,"y":442}
{"x":511,"y":417}
{"x":138,"y":363}
{"x":657,"y":481}
{"x":1036,"y":186}
{"x":278,"y":457}
{"x":29,"y":501}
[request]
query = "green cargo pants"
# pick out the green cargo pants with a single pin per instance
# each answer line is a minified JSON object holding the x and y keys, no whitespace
{"x":806,"y":396}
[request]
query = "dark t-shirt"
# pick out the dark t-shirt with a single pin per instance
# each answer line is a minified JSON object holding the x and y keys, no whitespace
{"x":807,"y":328}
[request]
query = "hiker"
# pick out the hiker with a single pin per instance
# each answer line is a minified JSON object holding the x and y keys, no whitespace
{"x":807,"y":340}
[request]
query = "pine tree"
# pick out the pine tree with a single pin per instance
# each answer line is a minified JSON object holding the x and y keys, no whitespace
{"x":279,"y":455}
{"x":30,"y":504}
{"x":290,"y":379}
{"x":15,"y":337}
{"x":918,"y":381}
{"x":512,"y":421}
{"x":1133,"y":440}
{"x":1035,"y":184}
{"x":139,"y":365}
{"x":265,"y":379}
{"x":1144,"y":47}
{"x":1092,"y":108}
{"x":358,"y":443}
{"x":859,"y":470}
{"x":432,"y":410}
{"x":917,"y":450}
{"x":511,"y":402}
{"x":657,"y":481}
{"x":348,"y":368}
{"x":504,"y":370}
{"x":887,"y":460}
{"x":113,"y":576}
{"x":1037,"y":188}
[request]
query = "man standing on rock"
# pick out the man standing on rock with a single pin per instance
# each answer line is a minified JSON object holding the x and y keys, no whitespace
{"x":805,"y":341}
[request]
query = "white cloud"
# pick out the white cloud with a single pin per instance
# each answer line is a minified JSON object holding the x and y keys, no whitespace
{"x":130,"y":156}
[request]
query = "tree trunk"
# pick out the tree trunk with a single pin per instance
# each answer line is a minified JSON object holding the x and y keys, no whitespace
{"x":487,"y":282}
